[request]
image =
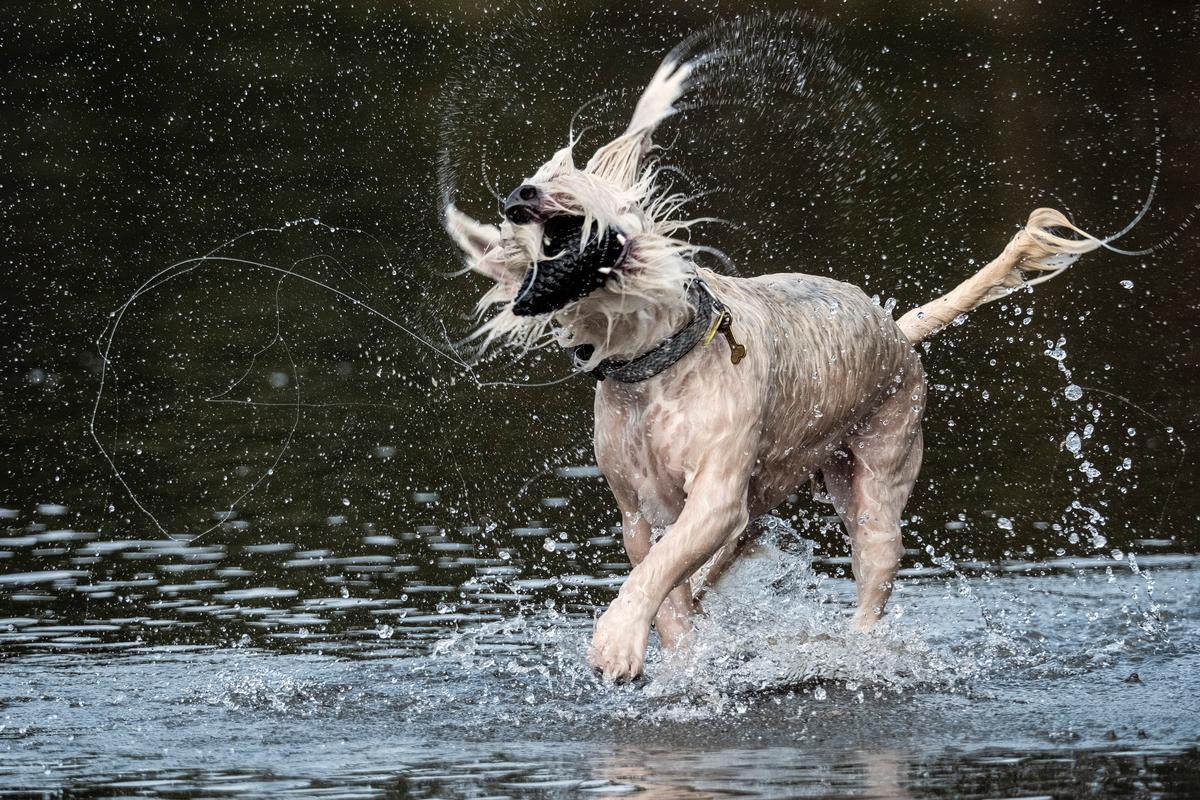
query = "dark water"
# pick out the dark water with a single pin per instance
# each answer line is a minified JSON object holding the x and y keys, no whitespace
{"x":1076,"y":678}
{"x":397,"y":563}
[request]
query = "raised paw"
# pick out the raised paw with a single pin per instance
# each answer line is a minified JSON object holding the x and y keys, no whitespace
{"x":618,"y":647}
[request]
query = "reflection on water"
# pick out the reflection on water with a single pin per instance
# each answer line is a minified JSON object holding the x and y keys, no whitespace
{"x":69,"y":588}
{"x":178,"y":669}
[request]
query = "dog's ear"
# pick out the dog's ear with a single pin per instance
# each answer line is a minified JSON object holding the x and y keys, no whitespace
{"x":480,"y":243}
{"x":619,"y":160}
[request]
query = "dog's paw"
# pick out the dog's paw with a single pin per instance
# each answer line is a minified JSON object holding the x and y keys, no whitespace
{"x":618,"y":648}
{"x":865,"y":621}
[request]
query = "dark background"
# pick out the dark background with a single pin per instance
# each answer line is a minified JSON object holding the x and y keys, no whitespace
{"x":136,"y":138}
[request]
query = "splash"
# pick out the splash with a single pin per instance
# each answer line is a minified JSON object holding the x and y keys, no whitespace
{"x":783,"y":85}
{"x":772,"y":627}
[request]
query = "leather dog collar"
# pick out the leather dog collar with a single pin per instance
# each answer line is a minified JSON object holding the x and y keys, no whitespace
{"x":711,"y":316}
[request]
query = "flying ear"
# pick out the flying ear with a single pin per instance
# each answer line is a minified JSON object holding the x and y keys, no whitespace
{"x":480,"y":243}
{"x":473,"y":237}
{"x":619,"y":160}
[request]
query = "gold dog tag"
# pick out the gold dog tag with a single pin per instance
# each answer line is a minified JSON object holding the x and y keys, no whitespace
{"x":736,"y":351}
{"x":723,"y":323}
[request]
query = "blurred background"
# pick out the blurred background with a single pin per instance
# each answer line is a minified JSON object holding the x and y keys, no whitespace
{"x":1059,"y":422}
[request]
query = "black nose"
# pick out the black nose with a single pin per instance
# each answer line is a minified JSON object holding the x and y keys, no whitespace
{"x":524,"y":205}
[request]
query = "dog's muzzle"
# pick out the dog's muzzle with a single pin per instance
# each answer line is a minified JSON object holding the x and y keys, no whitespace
{"x":571,"y":275}
{"x":523,"y":205}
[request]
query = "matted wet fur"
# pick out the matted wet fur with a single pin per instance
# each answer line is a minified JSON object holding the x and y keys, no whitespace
{"x":830,"y":384}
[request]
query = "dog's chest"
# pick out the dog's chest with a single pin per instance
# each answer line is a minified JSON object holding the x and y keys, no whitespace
{"x":646,"y":447}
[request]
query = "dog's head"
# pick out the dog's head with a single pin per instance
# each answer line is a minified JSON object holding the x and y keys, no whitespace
{"x":571,"y":235}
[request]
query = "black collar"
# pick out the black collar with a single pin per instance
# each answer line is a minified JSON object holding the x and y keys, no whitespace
{"x":710,"y":316}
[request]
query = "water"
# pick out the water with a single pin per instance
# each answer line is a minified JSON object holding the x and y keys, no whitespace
{"x":339,"y":563}
{"x":1023,"y":678}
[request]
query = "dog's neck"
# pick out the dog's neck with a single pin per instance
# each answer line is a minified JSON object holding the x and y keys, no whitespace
{"x":625,"y":326}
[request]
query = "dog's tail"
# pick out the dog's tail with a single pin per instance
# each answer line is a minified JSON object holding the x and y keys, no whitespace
{"x":1036,"y":254}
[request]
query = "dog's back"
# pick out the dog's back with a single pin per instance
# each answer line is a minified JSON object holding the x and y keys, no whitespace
{"x":827,"y":358}
{"x":823,"y":340}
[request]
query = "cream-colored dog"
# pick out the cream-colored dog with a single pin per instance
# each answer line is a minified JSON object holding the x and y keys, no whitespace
{"x":717,"y":396}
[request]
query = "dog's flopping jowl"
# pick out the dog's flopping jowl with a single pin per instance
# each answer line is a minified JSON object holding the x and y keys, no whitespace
{"x":690,"y":436}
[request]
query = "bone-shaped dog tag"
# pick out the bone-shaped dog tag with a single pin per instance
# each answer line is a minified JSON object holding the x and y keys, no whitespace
{"x":724,"y":324}
{"x":736,"y":351}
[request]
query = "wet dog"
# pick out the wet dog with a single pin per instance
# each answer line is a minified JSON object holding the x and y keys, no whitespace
{"x":717,"y":396}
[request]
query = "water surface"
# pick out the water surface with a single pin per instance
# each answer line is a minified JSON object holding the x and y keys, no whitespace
{"x":1022,"y":680}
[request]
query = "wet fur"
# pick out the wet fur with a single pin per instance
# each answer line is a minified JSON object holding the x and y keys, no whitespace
{"x":831,"y":384}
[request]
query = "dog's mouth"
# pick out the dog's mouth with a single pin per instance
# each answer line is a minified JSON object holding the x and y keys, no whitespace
{"x":572,"y":275}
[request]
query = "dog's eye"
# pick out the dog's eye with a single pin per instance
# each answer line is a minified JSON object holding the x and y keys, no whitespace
{"x":545,"y":241}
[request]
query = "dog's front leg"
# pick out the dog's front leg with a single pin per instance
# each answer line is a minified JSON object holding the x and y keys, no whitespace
{"x":673,"y":619}
{"x":714,"y":514}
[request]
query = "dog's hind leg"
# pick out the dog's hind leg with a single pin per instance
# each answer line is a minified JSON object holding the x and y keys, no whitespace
{"x":870,"y":481}
{"x":710,"y":574}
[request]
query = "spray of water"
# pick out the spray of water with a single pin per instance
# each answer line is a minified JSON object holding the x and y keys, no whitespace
{"x":781,"y":90}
